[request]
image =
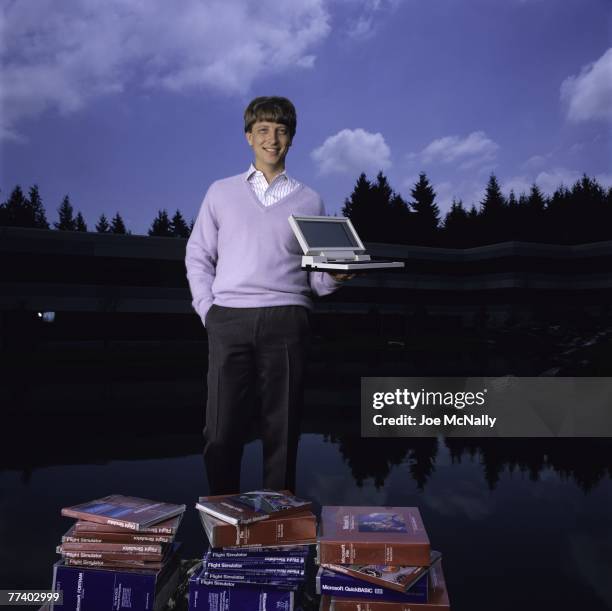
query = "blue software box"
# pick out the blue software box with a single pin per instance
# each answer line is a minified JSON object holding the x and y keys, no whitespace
{"x":338,"y":584}
{"x":236,"y":597}
{"x":93,"y":589}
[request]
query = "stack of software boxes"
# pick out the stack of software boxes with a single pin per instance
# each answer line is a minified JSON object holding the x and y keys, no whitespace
{"x":121,"y":553}
{"x":378,"y":559}
{"x":252,"y":563}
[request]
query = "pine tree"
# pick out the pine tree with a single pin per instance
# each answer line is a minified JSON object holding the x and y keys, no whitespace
{"x":382,"y":191}
{"x":358,"y":207}
{"x":514,"y":220}
{"x":39,"y":217}
{"x":380,"y":223}
{"x":19,"y":211}
{"x":377,"y":212}
{"x":457,"y":215}
{"x":102,"y":225}
{"x":456,"y":224}
{"x":474,"y":227}
{"x":532,"y":217}
{"x":66,"y":216}
{"x":79,"y":223}
{"x":608,"y":212}
{"x":559,"y":203}
{"x":559,"y":215}
{"x":588,"y":208}
{"x":512,"y":201}
{"x":16,"y":212}
{"x":178,"y":226}
{"x":192,"y":223}
{"x":426,"y":212}
{"x":493,"y":209}
{"x":399,"y":230}
{"x":161,"y":226}
{"x":117,"y":225}
{"x":493,"y":203}
{"x":536,"y":202}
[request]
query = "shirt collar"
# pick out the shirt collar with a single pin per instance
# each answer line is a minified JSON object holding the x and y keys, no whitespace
{"x":253,"y":171}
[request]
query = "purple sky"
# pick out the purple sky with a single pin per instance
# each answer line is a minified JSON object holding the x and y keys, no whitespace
{"x":133,"y":106}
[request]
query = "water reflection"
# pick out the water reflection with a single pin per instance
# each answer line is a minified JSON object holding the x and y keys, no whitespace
{"x":584,"y":461}
{"x":98,"y":439}
{"x":374,"y":458}
{"x":522,"y":523}
{"x":537,"y":531}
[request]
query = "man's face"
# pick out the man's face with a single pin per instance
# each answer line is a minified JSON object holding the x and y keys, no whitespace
{"x":270,"y":143}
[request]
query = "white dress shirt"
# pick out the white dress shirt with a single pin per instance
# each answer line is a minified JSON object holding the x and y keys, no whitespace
{"x":269,"y":194}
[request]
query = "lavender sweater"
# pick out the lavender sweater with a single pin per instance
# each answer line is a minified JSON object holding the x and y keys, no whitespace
{"x":242,"y":254}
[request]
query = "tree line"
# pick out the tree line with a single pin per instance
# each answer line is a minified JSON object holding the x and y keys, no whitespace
{"x":578,"y":214}
{"x":20,"y":210}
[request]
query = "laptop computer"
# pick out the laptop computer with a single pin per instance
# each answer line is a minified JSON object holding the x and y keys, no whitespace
{"x":330,"y":243}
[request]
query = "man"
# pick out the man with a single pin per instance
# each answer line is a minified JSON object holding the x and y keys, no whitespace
{"x":243,"y":267}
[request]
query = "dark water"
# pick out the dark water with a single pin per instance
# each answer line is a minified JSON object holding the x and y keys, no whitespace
{"x":521,"y":524}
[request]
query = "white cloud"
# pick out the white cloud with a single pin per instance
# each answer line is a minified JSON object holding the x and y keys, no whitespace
{"x":364,"y":24}
{"x":470,"y":192}
{"x":471,"y":151}
{"x":409,"y":182}
{"x":589,"y":94}
{"x":361,"y":28}
{"x":445,"y":193}
{"x":518,"y":184}
{"x":8,"y":134}
{"x":352,"y":151}
{"x":60,"y":55}
{"x":550,"y":180}
{"x":537,"y":161}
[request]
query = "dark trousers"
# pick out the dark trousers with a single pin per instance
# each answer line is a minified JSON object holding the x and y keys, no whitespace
{"x":254,"y":352}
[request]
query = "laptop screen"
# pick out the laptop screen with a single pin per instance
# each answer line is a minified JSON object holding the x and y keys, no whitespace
{"x":325,"y":234}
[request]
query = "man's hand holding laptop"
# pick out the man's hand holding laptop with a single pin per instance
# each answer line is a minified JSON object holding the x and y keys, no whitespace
{"x":340,"y":277}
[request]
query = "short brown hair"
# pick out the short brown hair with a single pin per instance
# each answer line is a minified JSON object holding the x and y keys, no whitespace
{"x":271,"y":108}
